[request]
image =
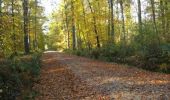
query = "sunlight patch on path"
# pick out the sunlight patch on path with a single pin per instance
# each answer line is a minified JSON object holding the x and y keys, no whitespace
{"x":51,"y":51}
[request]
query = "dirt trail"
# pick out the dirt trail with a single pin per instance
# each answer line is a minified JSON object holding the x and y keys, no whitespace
{"x":68,"y":77}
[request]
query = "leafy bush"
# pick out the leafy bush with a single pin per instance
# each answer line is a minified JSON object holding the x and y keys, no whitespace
{"x":17,"y":73}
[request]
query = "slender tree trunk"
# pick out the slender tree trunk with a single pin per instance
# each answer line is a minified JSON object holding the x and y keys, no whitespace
{"x":26,"y":37}
{"x":118,"y":17}
{"x":140,"y":25}
{"x":1,"y":39}
{"x":29,"y":30}
{"x":162,"y":13}
{"x":109,"y":21}
{"x":154,"y":20}
{"x":85,"y":25}
{"x":35,"y":29}
{"x":123,"y":29}
{"x":67,"y":25}
{"x":73,"y":26}
{"x":79,"y":39}
{"x":0,"y":8}
{"x":139,"y":17}
{"x":123,"y":22}
{"x":112,"y":20}
{"x":167,"y":23}
{"x":13,"y":28}
{"x":95,"y":25}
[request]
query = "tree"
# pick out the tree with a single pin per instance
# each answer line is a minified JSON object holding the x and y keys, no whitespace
{"x":139,"y":16}
{"x":162,"y":13}
{"x":0,"y":8}
{"x":112,"y":20}
{"x":13,"y":28}
{"x":26,"y":36}
{"x":35,"y":29}
{"x":94,"y":24}
{"x":73,"y":26}
{"x":67,"y":23}
{"x":123,"y":23}
{"x":85,"y":25}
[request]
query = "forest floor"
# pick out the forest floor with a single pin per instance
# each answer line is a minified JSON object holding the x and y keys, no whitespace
{"x":69,"y":77}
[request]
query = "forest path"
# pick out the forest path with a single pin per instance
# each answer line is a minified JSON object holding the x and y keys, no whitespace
{"x":68,"y":77}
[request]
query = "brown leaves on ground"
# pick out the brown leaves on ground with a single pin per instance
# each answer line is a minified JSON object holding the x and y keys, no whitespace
{"x":67,"y":77}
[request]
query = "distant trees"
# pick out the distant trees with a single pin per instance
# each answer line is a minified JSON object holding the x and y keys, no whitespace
{"x":88,"y":17}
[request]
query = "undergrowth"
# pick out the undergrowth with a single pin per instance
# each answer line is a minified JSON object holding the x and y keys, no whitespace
{"x":150,"y":58}
{"x":17,"y":75}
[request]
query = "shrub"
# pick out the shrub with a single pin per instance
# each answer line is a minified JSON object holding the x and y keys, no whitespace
{"x":17,"y":73}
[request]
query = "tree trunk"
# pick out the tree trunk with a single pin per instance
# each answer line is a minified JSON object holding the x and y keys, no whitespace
{"x":13,"y":28}
{"x":95,"y":25}
{"x":139,"y":17}
{"x":67,"y":25}
{"x":112,"y":20}
{"x":123,"y":22}
{"x":154,"y":20}
{"x":167,"y":24}
{"x":26,"y":37}
{"x":0,"y":7}
{"x":85,"y":25}
{"x":73,"y":26}
{"x":109,"y":21}
{"x":35,"y":28}
{"x":162,"y":15}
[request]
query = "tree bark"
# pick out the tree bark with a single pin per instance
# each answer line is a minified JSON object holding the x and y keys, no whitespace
{"x":139,"y":17}
{"x":109,"y":21}
{"x":167,"y":23}
{"x":13,"y":28}
{"x":123,"y":22}
{"x":26,"y":36}
{"x":85,"y":25}
{"x":154,"y":20}
{"x":0,"y":7}
{"x":95,"y":25}
{"x":67,"y":25}
{"x":112,"y":20}
{"x":35,"y":28}
{"x":73,"y":26}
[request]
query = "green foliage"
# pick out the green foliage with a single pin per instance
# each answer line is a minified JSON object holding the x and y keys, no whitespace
{"x":17,"y":73}
{"x":11,"y":27}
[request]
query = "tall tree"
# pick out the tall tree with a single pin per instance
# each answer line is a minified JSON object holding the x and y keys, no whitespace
{"x":167,"y":4}
{"x":35,"y":29}
{"x":67,"y":23}
{"x":94,"y":24}
{"x":123,"y":23}
{"x":162,"y":13}
{"x":13,"y":27}
{"x":154,"y":20}
{"x":112,"y":20}
{"x":0,"y":7}
{"x":26,"y":36}
{"x":139,"y":16}
{"x":73,"y":26}
{"x":85,"y":25}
